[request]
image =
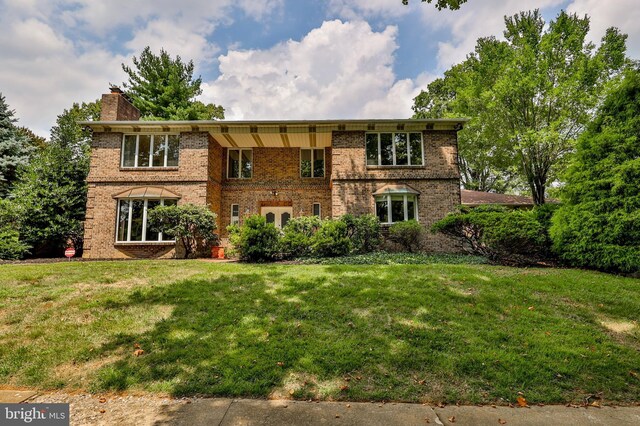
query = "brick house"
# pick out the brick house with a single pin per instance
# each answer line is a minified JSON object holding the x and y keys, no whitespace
{"x":396,"y":169}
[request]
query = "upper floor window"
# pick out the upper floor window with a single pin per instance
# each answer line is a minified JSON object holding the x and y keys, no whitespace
{"x":132,"y":220}
{"x":312,"y":163}
{"x":394,"y":149}
{"x":150,"y":150}
{"x":239,"y":163}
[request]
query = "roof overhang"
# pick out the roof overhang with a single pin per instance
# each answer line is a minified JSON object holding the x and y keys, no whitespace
{"x":291,"y":133}
{"x":146,"y":192}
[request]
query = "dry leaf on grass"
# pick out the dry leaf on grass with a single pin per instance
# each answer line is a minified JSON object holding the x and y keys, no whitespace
{"x":502,"y":421}
{"x":522,"y":402}
{"x":452,"y":419}
{"x":138,"y":352}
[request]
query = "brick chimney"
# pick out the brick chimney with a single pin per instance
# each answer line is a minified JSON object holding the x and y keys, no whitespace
{"x":117,"y":107}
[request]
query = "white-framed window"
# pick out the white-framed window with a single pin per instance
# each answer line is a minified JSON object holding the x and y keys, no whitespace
{"x":235,"y":214}
{"x":239,"y":163}
{"x":392,"y":208}
{"x":132,"y":220}
{"x":394,"y":149}
{"x":150,"y":150}
{"x":311,"y":163}
{"x":317,"y":210}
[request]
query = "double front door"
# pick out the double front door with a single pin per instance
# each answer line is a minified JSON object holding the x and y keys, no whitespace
{"x":279,"y":216}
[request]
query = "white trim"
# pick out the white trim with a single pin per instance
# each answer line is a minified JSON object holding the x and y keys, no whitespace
{"x":405,"y":205}
{"x":393,"y":149}
{"x":152,"y":143}
{"x":236,"y":217}
{"x":145,"y":207}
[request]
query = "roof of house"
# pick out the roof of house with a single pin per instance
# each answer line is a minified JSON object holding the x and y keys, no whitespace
{"x":477,"y":198}
{"x":277,"y":133}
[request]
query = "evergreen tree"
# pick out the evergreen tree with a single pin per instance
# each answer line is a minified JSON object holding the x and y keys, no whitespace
{"x":15,"y":148}
{"x":52,"y":189}
{"x":163,"y":88}
{"x":598,"y":224}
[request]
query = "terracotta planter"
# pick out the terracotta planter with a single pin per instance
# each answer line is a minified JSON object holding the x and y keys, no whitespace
{"x":217,"y":252}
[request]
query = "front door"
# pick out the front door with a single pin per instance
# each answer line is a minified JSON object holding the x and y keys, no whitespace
{"x":279,"y":216}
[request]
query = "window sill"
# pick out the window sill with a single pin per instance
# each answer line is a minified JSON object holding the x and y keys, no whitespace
{"x":149,"y":169}
{"x":393,"y":167}
{"x":144,"y":243}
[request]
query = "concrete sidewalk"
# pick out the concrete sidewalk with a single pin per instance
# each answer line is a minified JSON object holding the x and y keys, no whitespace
{"x":87,"y":409}
{"x":260,"y":412}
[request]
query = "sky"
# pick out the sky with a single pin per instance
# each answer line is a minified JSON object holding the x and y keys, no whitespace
{"x":261,"y":59}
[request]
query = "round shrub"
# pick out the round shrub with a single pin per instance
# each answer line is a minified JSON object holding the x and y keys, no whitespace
{"x":331,"y":239}
{"x":364,"y":232}
{"x":256,"y":240}
{"x":297,"y":234}
{"x":407,"y":234}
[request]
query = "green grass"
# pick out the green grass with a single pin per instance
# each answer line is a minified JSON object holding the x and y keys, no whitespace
{"x":446,"y":332}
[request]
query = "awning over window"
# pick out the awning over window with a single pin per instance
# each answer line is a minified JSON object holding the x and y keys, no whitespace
{"x":147,"y":192}
{"x":396,"y":189}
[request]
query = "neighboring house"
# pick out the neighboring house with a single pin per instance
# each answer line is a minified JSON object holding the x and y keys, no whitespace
{"x":481,"y":198}
{"x":396,"y":169}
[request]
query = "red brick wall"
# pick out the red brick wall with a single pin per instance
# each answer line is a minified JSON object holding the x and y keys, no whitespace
{"x":115,"y":107}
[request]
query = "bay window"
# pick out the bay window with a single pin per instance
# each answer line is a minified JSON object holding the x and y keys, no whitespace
{"x":394,"y":149}
{"x":132,"y":220}
{"x":392,"y":208}
{"x":150,"y":151}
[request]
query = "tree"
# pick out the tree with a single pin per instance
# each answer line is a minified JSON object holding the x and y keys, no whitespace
{"x":10,"y":218}
{"x":529,"y":97}
{"x":38,"y":142}
{"x":163,"y":88}
{"x":192,"y":225}
{"x":15,"y":148}
{"x":442,"y":4}
{"x":598,"y":224}
{"x":52,"y":190}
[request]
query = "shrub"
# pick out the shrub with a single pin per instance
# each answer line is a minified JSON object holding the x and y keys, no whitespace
{"x":256,"y":240}
{"x":364,"y":232}
{"x":503,"y":236}
{"x":407,"y":234}
{"x":297,"y":234}
{"x":11,"y":247}
{"x":598,"y":225}
{"x":192,"y":225}
{"x":331,"y":239}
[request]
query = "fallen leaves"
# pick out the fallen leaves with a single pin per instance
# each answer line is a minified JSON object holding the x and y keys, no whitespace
{"x":138,"y":352}
{"x":502,"y":421}
{"x":522,"y":402}
{"x":452,"y":419}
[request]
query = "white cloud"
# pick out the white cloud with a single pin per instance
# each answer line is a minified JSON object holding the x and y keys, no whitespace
{"x":473,"y":20}
{"x":340,"y":70}
{"x":356,"y":9}
{"x":624,"y":14}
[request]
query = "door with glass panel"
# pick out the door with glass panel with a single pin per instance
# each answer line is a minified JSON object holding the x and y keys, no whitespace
{"x":279,"y":216}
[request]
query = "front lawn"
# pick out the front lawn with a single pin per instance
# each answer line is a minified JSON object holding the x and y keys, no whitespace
{"x":446,"y":332}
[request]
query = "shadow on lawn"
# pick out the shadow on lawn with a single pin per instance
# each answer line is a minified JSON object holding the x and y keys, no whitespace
{"x":372,"y":333}
{"x":266,"y":334}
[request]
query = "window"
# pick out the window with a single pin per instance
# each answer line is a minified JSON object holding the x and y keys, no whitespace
{"x":235,"y":214}
{"x":239,"y":163}
{"x":394,"y":149}
{"x":312,"y":163}
{"x":132,"y":220}
{"x":150,"y":150}
{"x":316,"y":209}
{"x":391,"y":208}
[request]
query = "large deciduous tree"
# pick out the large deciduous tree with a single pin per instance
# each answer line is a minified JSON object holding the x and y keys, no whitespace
{"x":528,"y":98}
{"x":15,"y":148}
{"x":598,"y":224}
{"x":163,"y":88}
